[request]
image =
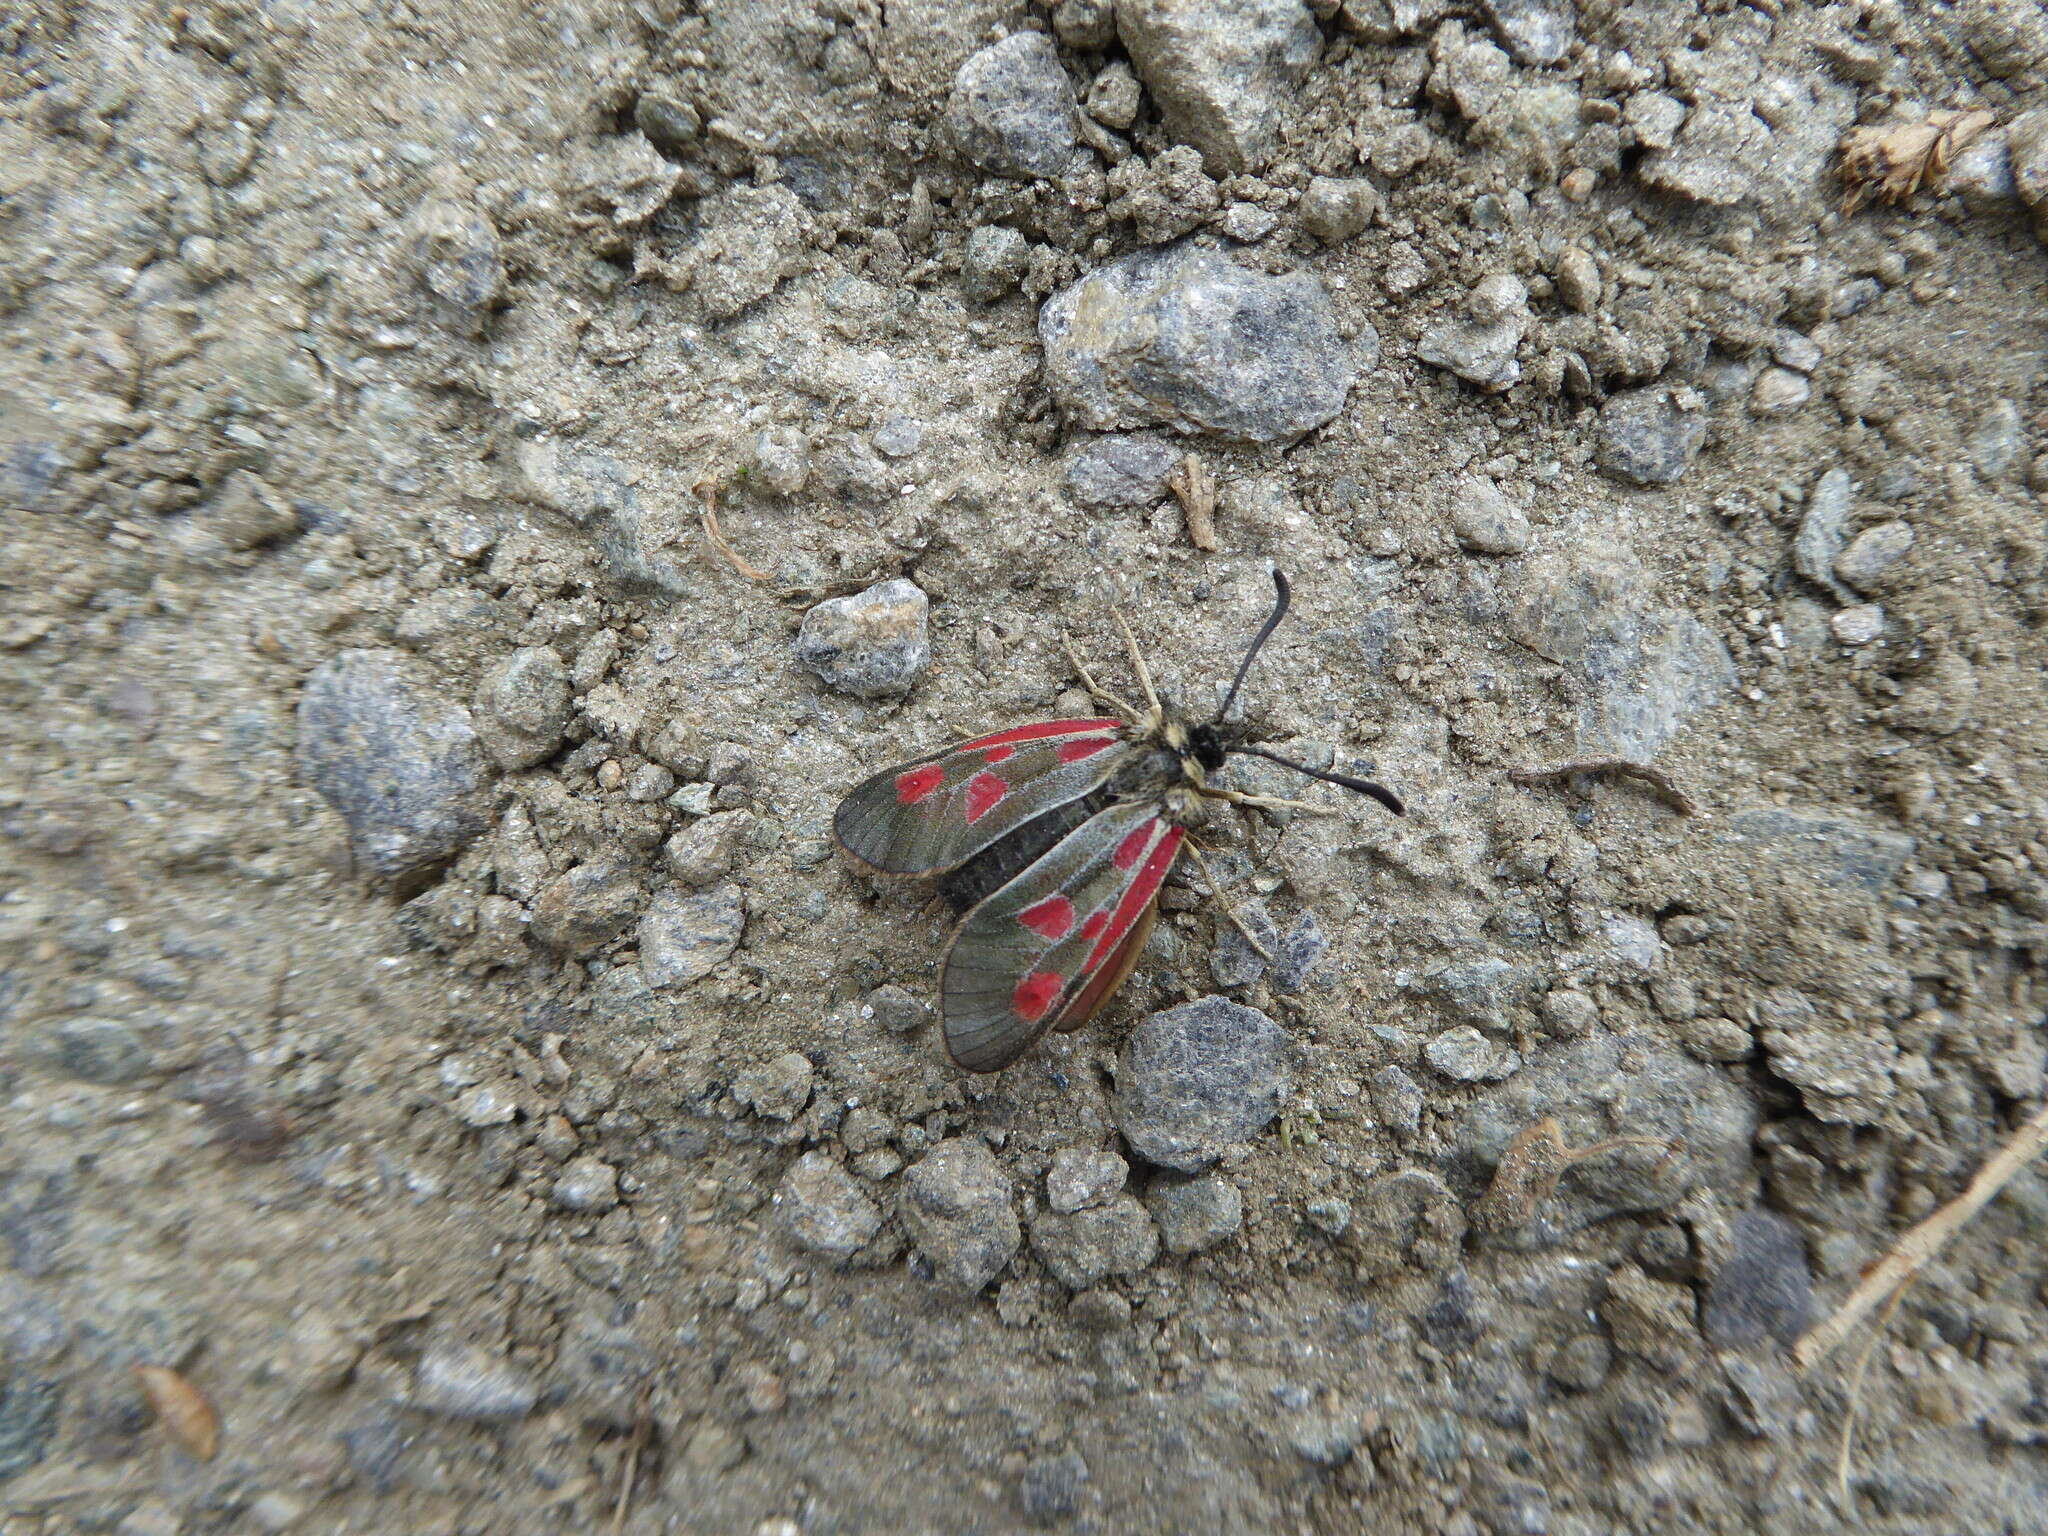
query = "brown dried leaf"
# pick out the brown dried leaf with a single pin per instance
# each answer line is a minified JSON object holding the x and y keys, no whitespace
{"x":1892,"y":161}
{"x":182,"y":1409}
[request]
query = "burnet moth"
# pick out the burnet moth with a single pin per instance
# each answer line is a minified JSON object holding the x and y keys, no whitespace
{"x":1054,"y":840}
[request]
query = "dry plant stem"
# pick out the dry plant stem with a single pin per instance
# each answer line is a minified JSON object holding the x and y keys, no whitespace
{"x":642,"y":1426}
{"x":712,"y":532}
{"x":1229,"y":911}
{"x":1912,"y":1252}
{"x":1855,"y":1404}
{"x":1649,"y":773}
{"x":1195,"y":489}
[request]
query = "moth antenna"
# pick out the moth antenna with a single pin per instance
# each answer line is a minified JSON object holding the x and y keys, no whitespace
{"x":1379,"y":792}
{"x":1272,"y":623}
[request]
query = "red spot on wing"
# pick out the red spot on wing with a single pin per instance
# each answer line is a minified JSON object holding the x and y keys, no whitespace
{"x":1039,"y":732}
{"x":985,"y":792}
{"x":1132,"y":848}
{"x":997,"y":754}
{"x":1052,"y":918}
{"x":913,"y":786}
{"x":1086,"y":746}
{"x":1097,"y":921}
{"x":1036,"y":993}
{"x":1141,"y":890}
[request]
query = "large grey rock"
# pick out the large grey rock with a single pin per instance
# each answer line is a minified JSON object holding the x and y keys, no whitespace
{"x":823,"y":1210}
{"x":1082,"y":1248}
{"x":1185,"y":338}
{"x":1224,"y":72}
{"x":1012,"y":108}
{"x":1606,"y":1086}
{"x":873,"y":645}
{"x":1644,"y":669}
{"x":956,"y":1203}
{"x":400,"y":762}
{"x":685,"y":937}
{"x":1198,"y":1079}
{"x":1650,"y":436}
{"x":1763,"y":1289}
{"x":522,"y":707}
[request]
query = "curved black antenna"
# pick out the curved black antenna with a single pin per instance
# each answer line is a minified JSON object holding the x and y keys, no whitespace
{"x":1272,"y":623}
{"x":1379,"y":792}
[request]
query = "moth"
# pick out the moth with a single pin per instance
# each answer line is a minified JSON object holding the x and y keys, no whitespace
{"x":1053,"y":839}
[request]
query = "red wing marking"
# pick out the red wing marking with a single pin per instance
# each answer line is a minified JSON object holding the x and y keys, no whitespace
{"x":1086,"y":746}
{"x":1097,"y":921}
{"x":1052,"y":918}
{"x":1143,"y":887}
{"x":1036,"y":732}
{"x":994,"y":755}
{"x":985,"y":792}
{"x":913,"y":786}
{"x":1132,"y":848}
{"x":1036,"y":993}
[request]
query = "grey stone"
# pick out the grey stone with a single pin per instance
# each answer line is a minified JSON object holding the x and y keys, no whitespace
{"x":1568,"y":1013}
{"x":1762,"y":1396}
{"x":823,"y":1210}
{"x":1872,"y":553}
{"x":1186,"y":338}
{"x":1778,"y":391}
{"x":1654,"y":118}
{"x":1821,"y":531}
{"x":956,"y":1204}
{"x":1330,"y":1216}
{"x":1050,"y":1489}
{"x":1403,"y":150}
{"x":461,"y":1381}
{"x":994,"y":262}
{"x":749,"y":241}
{"x":102,"y":1051}
{"x":1797,"y":351}
{"x":1406,"y":1221}
{"x":1084,"y":1176}
{"x":1198,"y":1079}
{"x":1012,"y":108}
{"x":401,"y":764}
{"x":1234,"y":963}
{"x":1223,"y":72}
{"x":455,"y":250}
{"x":669,"y":123}
{"x":1650,"y":436}
{"x":1085,"y":23}
{"x":586,"y":1185}
{"x":1115,"y":97}
{"x":1652,"y":1319}
{"x":1644,"y":670}
{"x":584,"y":909}
{"x":1483,"y":991}
{"x":1194,"y":1213}
{"x":1995,"y":439}
{"x":708,"y":848}
{"x":29,"y":1408}
{"x":899,"y":437}
{"x":522,"y":707}
{"x":1484,"y":520}
{"x":33,"y":1328}
{"x":1299,"y":952}
{"x":777,"y":1089}
{"x":1536,"y":31}
{"x":896,"y":1010}
{"x":1605,"y":1086}
{"x":873,"y":645}
{"x":1248,"y":223}
{"x":782,"y":459}
{"x":1582,"y":1363}
{"x":1858,"y":624}
{"x":1337,"y":208}
{"x":1396,"y":1100}
{"x":1481,"y":347}
{"x":685,"y":937}
{"x":1766,"y":148}
{"x":1846,"y":1070}
{"x":1763,"y":1289}
{"x":1466,"y":1056}
{"x":1839,"y":851}
{"x":1121,"y":471}
{"x":1082,"y":1248}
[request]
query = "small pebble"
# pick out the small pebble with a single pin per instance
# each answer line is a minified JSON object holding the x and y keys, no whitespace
{"x":587,"y":1185}
{"x":1012,"y":108}
{"x":1568,"y":1014}
{"x":1050,"y":1490}
{"x":899,"y":437}
{"x":873,"y":645}
{"x":460,"y":1381}
{"x":1858,"y":625}
{"x":896,"y":1010}
{"x":1085,"y":1247}
{"x":782,"y":459}
{"x":1114,"y":98}
{"x":1465,"y":1055}
{"x":823,"y":1210}
{"x":956,"y":1203}
{"x":1400,"y":151}
{"x":1578,"y":280}
{"x":1195,"y":1214}
{"x":777,"y":1089}
{"x":685,"y":937}
{"x":1337,"y":208}
{"x":1083,"y":1177}
{"x":1650,"y":436}
{"x":1330,"y":1217}
{"x":581,"y":911}
{"x":1779,"y":390}
{"x":1872,"y":553}
{"x":1198,"y":1079}
{"x":1484,"y":520}
{"x":994,"y":263}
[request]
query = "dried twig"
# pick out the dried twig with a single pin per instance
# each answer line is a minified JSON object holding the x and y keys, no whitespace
{"x":1855,"y":1406}
{"x":1892,"y":161}
{"x":708,"y":492}
{"x":1195,"y":489}
{"x":643,"y":1426}
{"x":1912,"y":1252}
{"x":1649,"y":773}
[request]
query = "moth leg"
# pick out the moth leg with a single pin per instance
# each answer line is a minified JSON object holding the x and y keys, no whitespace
{"x":1216,"y":890}
{"x":1144,"y":672}
{"x":1095,"y":690}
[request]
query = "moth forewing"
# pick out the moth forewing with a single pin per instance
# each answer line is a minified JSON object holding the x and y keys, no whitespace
{"x":934,"y":813}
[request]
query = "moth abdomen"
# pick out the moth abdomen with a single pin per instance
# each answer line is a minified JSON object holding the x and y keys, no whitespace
{"x":996,"y":865}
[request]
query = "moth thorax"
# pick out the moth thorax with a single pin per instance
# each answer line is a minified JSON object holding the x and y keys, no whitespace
{"x":1149,"y":775}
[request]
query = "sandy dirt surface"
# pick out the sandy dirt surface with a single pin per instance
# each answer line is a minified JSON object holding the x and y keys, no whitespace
{"x":436,"y":1027}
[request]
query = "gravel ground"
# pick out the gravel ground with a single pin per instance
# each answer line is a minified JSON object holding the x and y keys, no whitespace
{"x":452,"y":1085}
